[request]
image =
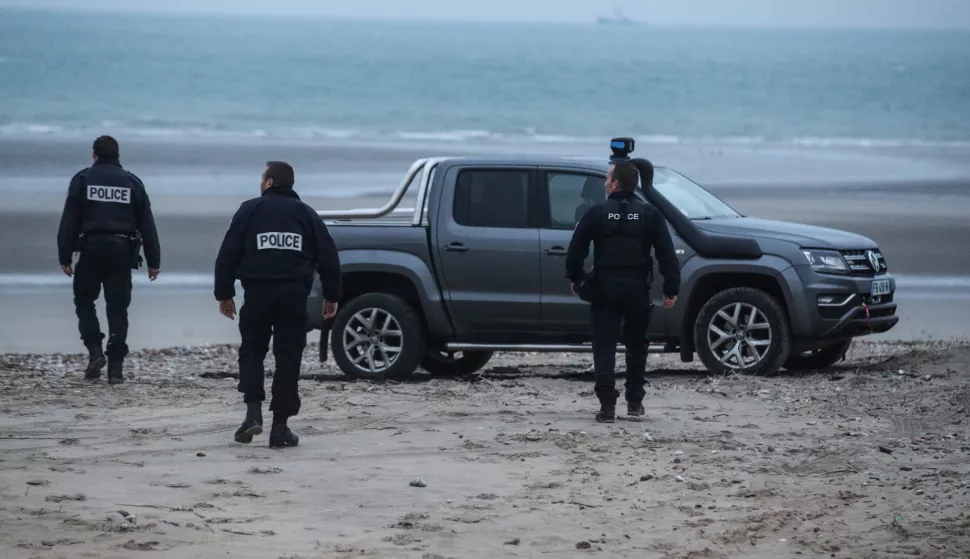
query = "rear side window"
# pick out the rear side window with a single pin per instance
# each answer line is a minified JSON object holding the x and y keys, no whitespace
{"x":492,"y":198}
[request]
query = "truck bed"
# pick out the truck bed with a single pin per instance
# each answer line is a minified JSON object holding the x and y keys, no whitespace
{"x":381,"y":234}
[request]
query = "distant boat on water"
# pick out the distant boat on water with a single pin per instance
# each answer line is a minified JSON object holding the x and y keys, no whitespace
{"x":617,"y":19}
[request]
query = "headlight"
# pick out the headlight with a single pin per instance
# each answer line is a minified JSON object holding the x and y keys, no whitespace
{"x":826,"y":261}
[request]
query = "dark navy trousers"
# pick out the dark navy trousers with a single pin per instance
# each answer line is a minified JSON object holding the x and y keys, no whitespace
{"x":620,"y":311}
{"x":277,"y":310}
{"x":104,"y":262}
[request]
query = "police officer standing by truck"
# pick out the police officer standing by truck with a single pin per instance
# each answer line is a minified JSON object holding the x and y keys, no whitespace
{"x":107,"y":216}
{"x":623,"y":230}
{"x":273,"y":245}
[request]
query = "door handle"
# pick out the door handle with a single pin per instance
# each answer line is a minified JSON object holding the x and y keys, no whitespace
{"x":556,"y":251}
{"x":456,"y":247}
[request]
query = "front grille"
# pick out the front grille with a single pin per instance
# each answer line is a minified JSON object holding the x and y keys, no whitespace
{"x":860,"y":263}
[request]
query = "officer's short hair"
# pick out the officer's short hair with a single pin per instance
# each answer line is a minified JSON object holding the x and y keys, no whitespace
{"x":627,"y":174}
{"x":106,"y":147}
{"x":281,"y":173}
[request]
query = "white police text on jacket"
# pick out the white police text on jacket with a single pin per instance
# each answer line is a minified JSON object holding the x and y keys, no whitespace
{"x":277,"y":237}
{"x":107,"y":199}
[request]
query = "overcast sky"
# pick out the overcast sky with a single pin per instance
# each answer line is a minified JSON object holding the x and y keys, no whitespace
{"x":841,"y":13}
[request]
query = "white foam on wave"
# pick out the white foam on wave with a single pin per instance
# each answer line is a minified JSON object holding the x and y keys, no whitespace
{"x":878,"y":143}
{"x":927,"y":282}
{"x":177,"y":280}
{"x":161,"y":129}
{"x":906,"y":284}
{"x":449,"y":136}
{"x":346,"y":194}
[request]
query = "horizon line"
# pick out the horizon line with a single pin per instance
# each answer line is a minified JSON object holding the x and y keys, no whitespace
{"x":592,"y":22}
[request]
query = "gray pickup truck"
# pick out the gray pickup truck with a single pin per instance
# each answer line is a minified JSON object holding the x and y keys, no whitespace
{"x":477,"y":266}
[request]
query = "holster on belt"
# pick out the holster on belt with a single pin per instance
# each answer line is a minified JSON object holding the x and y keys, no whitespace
{"x":135,"y":251}
{"x":586,"y":289}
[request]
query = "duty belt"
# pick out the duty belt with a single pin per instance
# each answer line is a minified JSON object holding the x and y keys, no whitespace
{"x":99,"y":235}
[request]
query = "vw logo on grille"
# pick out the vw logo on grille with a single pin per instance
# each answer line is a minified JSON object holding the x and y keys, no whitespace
{"x":873,"y":259}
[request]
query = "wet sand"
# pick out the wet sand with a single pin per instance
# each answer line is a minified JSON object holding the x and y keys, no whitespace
{"x":866,"y":460}
{"x":190,"y":232}
{"x":42,"y":320}
{"x":918,"y":225}
{"x":920,"y":219}
{"x":921,"y":232}
{"x":921,"y":227}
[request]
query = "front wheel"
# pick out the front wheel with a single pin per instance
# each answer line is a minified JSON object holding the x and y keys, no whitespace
{"x":821,"y":358}
{"x":377,"y":336}
{"x":450,"y":363}
{"x":742,"y":330}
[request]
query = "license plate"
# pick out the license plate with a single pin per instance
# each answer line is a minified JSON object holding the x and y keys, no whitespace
{"x":880,"y":287}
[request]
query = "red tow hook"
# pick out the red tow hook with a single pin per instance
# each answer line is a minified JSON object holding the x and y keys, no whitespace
{"x":868,"y":318}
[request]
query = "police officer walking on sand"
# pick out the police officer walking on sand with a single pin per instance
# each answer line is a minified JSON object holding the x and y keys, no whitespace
{"x":105,"y":211}
{"x":273,"y":245}
{"x":623,"y":229}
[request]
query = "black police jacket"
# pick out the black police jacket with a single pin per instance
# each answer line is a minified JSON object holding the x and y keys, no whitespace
{"x":623,"y":229}
{"x":277,"y":237}
{"x":107,"y":199}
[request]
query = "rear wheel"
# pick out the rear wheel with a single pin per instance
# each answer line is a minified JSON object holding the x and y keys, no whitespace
{"x":742,"y":330}
{"x":818,"y":358}
{"x":378,"y":336}
{"x":454,"y":363}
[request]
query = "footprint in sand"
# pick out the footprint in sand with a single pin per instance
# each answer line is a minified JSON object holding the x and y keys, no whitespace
{"x":59,"y":498}
{"x":265,"y":471}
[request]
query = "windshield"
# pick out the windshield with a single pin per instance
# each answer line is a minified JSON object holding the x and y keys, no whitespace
{"x":688,"y":197}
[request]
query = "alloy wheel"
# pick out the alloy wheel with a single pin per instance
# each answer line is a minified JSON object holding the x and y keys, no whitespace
{"x":739,"y":335}
{"x":373,"y":340}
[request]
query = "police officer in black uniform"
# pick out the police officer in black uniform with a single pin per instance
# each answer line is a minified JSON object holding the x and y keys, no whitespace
{"x":273,"y":245}
{"x":623,"y":230}
{"x":106,"y":210}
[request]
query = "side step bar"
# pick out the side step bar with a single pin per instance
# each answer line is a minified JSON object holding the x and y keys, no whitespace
{"x":551,"y":348}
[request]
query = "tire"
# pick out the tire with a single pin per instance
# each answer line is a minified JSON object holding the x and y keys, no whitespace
{"x":443,"y":363}
{"x":350,"y":325}
{"x":770,"y":330}
{"x":819,"y":358}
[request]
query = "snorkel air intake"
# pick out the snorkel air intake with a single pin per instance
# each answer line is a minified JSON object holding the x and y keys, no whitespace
{"x":706,"y":244}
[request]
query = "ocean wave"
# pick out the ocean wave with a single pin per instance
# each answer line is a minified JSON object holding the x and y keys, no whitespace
{"x":161,"y":129}
{"x":354,"y":193}
{"x":908,"y":285}
{"x":920,"y":282}
{"x":174,"y":280}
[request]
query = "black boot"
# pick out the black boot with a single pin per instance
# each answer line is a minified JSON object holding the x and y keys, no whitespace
{"x":635,"y":410}
{"x":96,"y":362}
{"x":252,"y":425}
{"x":115,"y":374}
{"x":281,"y":436}
{"x":607,"y":414}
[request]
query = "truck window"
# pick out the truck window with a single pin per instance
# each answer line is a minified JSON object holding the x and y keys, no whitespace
{"x":571,"y":195}
{"x":492,"y":198}
{"x":689,"y":198}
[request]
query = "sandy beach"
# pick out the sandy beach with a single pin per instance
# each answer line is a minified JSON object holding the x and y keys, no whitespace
{"x":866,"y":460}
{"x":842,"y":118}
